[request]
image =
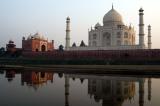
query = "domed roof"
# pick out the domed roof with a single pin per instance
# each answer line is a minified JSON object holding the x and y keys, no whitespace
{"x":43,"y":38}
{"x":11,"y":42}
{"x":112,"y":16}
{"x":37,"y":35}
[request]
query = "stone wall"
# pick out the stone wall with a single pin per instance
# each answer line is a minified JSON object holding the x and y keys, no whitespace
{"x":141,"y":54}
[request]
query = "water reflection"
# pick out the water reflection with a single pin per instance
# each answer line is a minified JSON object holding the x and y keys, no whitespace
{"x":36,"y":79}
{"x":30,"y":78}
{"x":107,"y":90}
{"x":1,"y":71}
{"x":10,"y":74}
{"x":149,"y":88}
{"x":113,"y":91}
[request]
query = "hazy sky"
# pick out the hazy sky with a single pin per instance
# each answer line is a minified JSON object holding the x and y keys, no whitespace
{"x":21,"y":17}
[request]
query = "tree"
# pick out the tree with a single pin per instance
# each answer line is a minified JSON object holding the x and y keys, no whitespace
{"x":74,"y":44}
{"x":82,"y":44}
{"x":61,"y":48}
{"x":2,"y":49}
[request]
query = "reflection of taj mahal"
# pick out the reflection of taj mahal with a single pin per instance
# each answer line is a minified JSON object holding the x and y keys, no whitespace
{"x":112,"y":35}
{"x":106,"y":90}
{"x":112,"y":91}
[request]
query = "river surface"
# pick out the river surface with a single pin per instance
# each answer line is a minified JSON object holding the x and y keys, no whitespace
{"x":35,"y":88}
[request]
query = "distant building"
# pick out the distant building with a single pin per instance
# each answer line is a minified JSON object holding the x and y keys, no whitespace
{"x":37,"y":42}
{"x":11,"y":47}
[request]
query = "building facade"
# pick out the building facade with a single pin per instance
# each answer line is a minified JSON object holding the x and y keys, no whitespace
{"x":37,"y":42}
{"x":112,"y":35}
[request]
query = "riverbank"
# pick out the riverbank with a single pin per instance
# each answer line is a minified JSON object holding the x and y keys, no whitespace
{"x":90,"y":69}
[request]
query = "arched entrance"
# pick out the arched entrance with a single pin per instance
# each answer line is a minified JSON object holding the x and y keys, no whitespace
{"x":43,"y":48}
{"x":36,"y":50}
{"x":106,"y":39}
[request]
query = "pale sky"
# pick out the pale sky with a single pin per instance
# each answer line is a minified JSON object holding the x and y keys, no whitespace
{"x":19,"y":18}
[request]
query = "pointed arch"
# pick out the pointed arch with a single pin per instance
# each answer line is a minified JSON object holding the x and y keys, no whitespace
{"x":106,"y":41}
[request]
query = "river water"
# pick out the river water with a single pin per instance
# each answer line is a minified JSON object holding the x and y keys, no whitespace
{"x":42,"y":88}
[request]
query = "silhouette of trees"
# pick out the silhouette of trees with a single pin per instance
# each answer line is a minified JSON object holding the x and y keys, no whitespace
{"x":74,"y":45}
{"x":61,"y":48}
{"x":82,"y":44}
{"x":2,"y":49}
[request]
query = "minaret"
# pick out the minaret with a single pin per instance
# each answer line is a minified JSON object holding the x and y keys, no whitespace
{"x":141,"y":28}
{"x":67,"y":33}
{"x":149,"y":37}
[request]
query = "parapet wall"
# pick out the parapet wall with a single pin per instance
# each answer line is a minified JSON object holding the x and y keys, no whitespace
{"x":97,"y":54}
{"x":121,"y":47}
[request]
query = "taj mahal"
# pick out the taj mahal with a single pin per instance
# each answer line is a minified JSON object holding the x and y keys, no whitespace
{"x":112,"y":35}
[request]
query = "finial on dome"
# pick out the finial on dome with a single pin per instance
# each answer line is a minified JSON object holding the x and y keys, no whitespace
{"x":141,"y":9}
{"x":149,"y":26}
{"x":68,"y":18}
{"x":112,"y":6}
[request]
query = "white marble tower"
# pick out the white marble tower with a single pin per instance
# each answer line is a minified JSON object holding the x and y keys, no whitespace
{"x":67,"y":33}
{"x":149,"y":37}
{"x":141,"y":28}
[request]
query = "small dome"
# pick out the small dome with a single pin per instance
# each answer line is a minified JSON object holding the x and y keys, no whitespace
{"x":42,"y":37}
{"x":112,"y":16}
{"x":97,"y":25}
{"x":37,"y":35}
{"x":29,"y":37}
{"x":141,"y":10}
{"x":11,"y":42}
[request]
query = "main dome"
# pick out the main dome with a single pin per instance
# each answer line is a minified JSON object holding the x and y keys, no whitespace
{"x":112,"y":17}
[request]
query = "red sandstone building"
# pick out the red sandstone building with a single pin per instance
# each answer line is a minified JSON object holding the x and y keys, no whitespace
{"x":11,"y":47}
{"x":37,"y":42}
{"x":36,"y":78}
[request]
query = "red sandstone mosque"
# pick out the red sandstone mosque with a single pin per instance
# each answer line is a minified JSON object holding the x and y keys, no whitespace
{"x":37,"y":42}
{"x":32,"y":43}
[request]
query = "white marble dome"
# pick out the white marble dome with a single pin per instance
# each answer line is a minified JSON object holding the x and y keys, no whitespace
{"x":43,"y":38}
{"x":112,"y":16}
{"x":29,"y":37}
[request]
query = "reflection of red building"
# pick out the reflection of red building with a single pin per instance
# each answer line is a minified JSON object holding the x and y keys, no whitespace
{"x":10,"y":74}
{"x":36,"y":79}
{"x":37,"y":42}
